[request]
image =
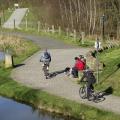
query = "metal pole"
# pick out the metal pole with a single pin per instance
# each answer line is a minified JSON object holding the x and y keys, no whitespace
{"x":103,"y":27}
{"x":97,"y":60}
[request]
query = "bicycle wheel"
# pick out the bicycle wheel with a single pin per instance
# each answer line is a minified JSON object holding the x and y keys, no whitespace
{"x":98,"y":97}
{"x":46,"y":71}
{"x":82,"y":92}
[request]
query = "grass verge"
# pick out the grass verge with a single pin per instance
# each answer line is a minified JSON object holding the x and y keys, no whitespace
{"x":110,"y":77}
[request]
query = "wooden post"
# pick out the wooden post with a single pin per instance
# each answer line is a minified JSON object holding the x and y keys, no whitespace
{"x":45,"y":27}
{"x":26,"y":24}
{"x":38,"y":26}
{"x":118,"y":30}
{"x":67,"y":32}
{"x":3,"y":15}
{"x":74,"y":34}
{"x":53,"y":29}
{"x":14,"y":23}
{"x":0,"y":22}
{"x":83,"y":37}
{"x":48,"y":29}
{"x":59,"y":30}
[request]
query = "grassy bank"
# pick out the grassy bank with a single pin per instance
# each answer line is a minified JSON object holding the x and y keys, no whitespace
{"x":43,"y":100}
{"x":110,"y":77}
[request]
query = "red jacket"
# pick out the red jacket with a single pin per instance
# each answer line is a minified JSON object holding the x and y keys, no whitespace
{"x":79,"y":65}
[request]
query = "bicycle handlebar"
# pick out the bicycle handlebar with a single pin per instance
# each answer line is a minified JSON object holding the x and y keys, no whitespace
{"x":83,"y":81}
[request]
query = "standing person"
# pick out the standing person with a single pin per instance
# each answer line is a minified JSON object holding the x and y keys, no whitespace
{"x":45,"y":58}
{"x":90,"y":79}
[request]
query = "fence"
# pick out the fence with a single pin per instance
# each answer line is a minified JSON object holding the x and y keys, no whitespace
{"x":40,"y":27}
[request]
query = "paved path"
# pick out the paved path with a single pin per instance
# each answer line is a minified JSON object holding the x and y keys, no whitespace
{"x":17,"y":15}
{"x":31,"y":74}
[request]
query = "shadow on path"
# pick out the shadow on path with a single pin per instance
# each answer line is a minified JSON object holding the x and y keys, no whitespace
{"x":108,"y":91}
{"x":53,"y":74}
{"x":18,"y":65}
{"x":100,"y":96}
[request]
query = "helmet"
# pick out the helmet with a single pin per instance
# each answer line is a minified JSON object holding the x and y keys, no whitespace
{"x":81,"y":56}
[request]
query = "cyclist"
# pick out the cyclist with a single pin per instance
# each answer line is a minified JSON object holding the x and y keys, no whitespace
{"x":45,"y":58}
{"x":90,"y":79}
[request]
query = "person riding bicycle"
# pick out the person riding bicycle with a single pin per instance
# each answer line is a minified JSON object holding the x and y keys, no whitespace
{"x":45,"y":58}
{"x":90,"y":79}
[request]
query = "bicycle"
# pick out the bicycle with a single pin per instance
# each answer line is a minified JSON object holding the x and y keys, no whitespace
{"x":46,"y":70}
{"x":94,"y":96}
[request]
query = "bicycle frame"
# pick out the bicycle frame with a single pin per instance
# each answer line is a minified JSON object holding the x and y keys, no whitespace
{"x":46,"y":70}
{"x":94,"y":96}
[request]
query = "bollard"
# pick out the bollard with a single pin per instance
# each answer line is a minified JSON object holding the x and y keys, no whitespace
{"x":8,"y":61}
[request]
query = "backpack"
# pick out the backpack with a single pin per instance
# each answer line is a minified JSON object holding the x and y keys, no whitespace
{"x":90,"y":76}
{"x":46,"y":55}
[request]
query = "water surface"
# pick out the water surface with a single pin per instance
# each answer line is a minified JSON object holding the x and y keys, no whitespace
{"x":11,"y":110}
{"x":2,"y":56}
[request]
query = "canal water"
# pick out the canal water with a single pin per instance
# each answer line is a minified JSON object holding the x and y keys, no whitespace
{"x":11,"y":110}
{"x":2,"y":56}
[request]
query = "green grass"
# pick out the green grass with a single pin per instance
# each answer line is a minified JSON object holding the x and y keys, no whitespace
{"x":110,"y":77}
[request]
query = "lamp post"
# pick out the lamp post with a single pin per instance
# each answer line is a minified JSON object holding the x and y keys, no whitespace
{"x":103,"y":17}
{"x":97,"y":46}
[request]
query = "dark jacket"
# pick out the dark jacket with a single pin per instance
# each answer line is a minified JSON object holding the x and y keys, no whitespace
{"x":45,"y":57}
{"x":89,"y":77}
